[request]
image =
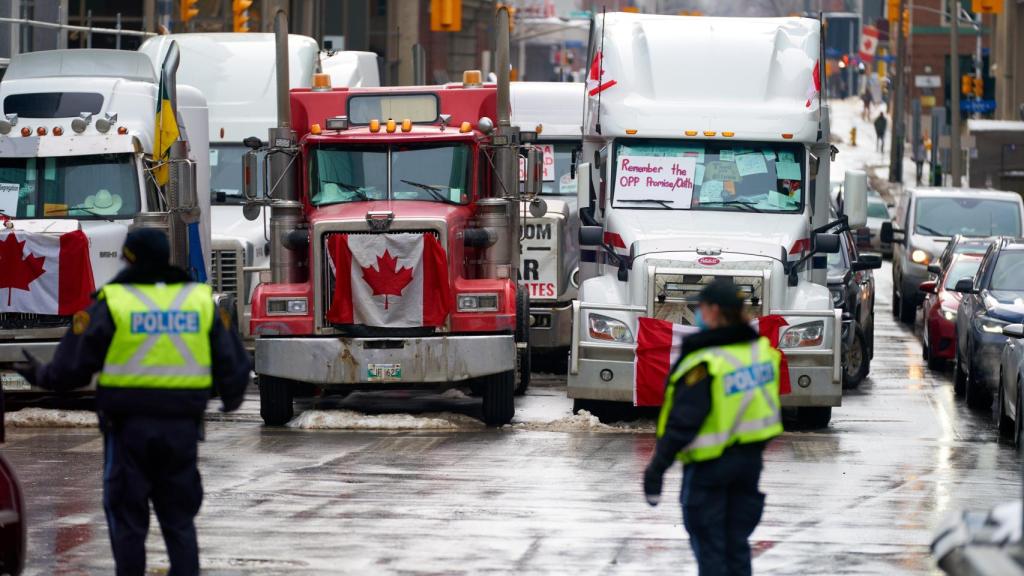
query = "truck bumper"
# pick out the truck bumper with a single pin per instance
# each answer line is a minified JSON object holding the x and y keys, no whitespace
{"x":10,"y":352}
{"x":369,"y":362}
{"x":551,"y":326}
{"x":603,"y":371}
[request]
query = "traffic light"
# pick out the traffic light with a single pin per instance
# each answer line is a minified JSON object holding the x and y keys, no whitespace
{"x":446,"y":15}
{"x":906,"y":22}
{"x":188,"y":10}
{"x":978,"y":87}
{"x":892,"y":10}
{"x":240,"y":13}
{"x":966,"y":84}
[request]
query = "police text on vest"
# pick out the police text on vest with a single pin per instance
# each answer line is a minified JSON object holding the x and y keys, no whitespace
{"x":165,"y":322}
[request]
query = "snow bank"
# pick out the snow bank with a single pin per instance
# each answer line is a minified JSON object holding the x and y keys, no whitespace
{"x":351,"y":420}
{"x":51,"y":418}
{"x":584,"y":421}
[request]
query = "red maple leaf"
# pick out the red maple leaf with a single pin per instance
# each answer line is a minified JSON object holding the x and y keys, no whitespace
{"x":385,"y":279}
{"x":19,"y":271}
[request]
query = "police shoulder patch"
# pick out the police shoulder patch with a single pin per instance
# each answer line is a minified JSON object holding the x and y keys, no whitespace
{"x":696,"y":374}
{"x":79,"y":322}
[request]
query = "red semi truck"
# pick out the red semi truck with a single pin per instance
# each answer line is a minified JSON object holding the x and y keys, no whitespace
{"x":394,"y":235}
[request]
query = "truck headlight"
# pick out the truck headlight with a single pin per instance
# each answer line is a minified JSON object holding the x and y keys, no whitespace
{"x":478,"y":302}
{"x":287,"y":306}
{"x":949,"y":314}
{"x":992,"y":326}
{"x":802,"y":335}
{"x":920,"y":256}
{"x":604,"y":328}
{"x":838,"y":296}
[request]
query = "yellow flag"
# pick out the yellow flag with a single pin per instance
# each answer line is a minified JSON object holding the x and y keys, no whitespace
{"x":165,"y":134}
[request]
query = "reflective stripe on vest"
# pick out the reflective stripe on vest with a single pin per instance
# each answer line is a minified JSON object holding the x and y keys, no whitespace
{"x":161,"y":337}
{"x":745,"y":404}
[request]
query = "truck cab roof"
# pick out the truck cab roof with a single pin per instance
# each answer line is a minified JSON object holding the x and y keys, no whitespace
{"x":81,"y":63}
{"x":557,"y":106}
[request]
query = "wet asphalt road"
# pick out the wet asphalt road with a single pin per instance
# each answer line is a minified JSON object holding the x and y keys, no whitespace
{"x":861,"y":497}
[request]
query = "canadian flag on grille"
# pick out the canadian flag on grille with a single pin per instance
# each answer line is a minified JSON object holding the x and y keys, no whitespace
{"x":45,"y":273}
{"x":658,"y":345}
{"x":388,"y":280}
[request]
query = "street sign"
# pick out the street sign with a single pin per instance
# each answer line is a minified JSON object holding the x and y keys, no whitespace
{"x":974,"y":106}
{"x":928,"y":81}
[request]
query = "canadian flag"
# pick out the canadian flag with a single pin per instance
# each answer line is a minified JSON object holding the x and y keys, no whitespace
{"x":815,"y":86}
{"x":44,"y":273}
{"x":388,"y":280}
{"x":658,"y":345}
{"x":868,"y":43}
{"x":595,"y":80}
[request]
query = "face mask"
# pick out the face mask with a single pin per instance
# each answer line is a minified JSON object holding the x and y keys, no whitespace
{"x":698,"y":320}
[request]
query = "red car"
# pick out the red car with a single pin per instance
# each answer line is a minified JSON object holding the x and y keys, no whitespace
{"x":940,"y":305}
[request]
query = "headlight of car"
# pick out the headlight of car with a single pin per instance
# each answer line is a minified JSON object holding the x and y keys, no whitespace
{"x":949,"y":314}
{"x":287,"y":306}
{"x":604,"y":328}
{"x":478,"y":302}
{"x":838,"y":296}
{"x":920,"y":256}
{"x":802,"y":335}
{"x":991,"y":325}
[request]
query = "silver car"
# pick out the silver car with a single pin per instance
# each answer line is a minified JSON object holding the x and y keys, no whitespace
{"x":925,"y":220}
{"x":1011,"y":375}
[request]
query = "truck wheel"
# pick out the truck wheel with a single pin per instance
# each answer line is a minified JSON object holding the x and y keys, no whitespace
{"x":959,"y":376}
{"x":499,"y":398}
{"x":857,"y":361}
{"x":908,"y":310}
{"x":1006,"y":425}
{"x":814,"y":417}
{"x":523,"y":359}
{"x":275,"y":401}
{"x":895,"y":301}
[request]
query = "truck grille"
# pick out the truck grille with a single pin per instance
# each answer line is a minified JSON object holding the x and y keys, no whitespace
{"x":21,"y":321}
{"x":676,"y":296}
{"x":226,"y":271}
{"x":329,"y":273}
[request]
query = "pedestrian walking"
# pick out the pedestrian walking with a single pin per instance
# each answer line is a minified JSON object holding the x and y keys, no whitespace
{"x":721,"y":408}
{"x":919,"y":156}
{"x":159,"y":346}
{"x":867,"y":100}
{"x":881,"y":123}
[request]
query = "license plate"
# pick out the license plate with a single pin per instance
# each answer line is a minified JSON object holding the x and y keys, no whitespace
{"x":384,"y":372}
{"x":14,"y":382}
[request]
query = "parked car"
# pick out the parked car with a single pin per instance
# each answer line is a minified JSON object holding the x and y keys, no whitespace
{"x":852,"y":284}
{"x":940,"y":307}
{"x":924,"y":222}
{"x":878,"y":213}
{"x":993,"y":299}
{"x":959,"y":244}
{"x":1011,"y":378}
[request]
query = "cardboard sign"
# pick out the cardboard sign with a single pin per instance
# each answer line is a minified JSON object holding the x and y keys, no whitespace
{"x":548,"y":150}
{"x":669,"y":179}
{"x":538,"y":271}
{"x":9,"y":199}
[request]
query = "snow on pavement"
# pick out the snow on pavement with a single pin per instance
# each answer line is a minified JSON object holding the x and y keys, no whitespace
{"x":51,"y":418}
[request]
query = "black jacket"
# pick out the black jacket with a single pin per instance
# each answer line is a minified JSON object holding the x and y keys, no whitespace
{"x":692,"y":402}
{"x":80,"y":356}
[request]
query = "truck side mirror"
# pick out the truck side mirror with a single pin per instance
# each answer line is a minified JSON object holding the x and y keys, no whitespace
{"x":250,"y":173}
{"x":867,"y":261}
{"x":591,"y":235}
{"x":583,"y":186}
{"x":964,"y":286}
{"x":855,"y":198}
{"x":826,"y":243}
{"x":534,"y":172}
{"x":251,"y":210}
{"x":1013,"y":330}
{"x":885,"y":233}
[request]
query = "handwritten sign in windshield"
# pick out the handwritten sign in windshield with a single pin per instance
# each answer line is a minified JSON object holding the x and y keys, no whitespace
{"x":667,"y":179}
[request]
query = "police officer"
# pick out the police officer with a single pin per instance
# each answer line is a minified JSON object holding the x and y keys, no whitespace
{"x":159,"y":346}
{"x":721,"y":407}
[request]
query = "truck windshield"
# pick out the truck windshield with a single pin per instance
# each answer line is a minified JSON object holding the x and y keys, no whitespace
{"x":967,"y":216}
{"x":558,"y":180}
{"x":433,"y":173}
{"x":704,"y":175}
{"x":226,"y":173}
{"x":99,"y":186}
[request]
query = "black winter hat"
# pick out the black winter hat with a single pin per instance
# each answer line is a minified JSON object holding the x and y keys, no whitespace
{"x":147,"y":248}
{"x":722,"y":292}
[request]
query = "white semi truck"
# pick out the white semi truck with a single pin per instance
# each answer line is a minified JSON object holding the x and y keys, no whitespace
{"x":77,"y":154}
{"x":236,"y":73}
{"x":706,"y":155}
{"x":549,"y":267}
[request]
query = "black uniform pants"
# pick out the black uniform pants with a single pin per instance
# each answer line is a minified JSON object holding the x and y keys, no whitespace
{"x":152,"y":460}
{"x":721,"y":508}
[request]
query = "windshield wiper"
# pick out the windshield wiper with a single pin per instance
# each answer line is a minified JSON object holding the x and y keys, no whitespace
{"x":663,"y":203}
{"x":358,"y":191}
{"x":92,"y":213}
{"x":931,"y":231}
{"x":433,"y":189}
{"x":748,"y":206}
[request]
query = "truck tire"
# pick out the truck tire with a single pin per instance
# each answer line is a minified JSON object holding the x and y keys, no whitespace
{"x":959,"y":376}
{"x":895,"y":301}
{"x":858,"y":361}
{"x":814,"y":417}
{"x":275,"y":401}
{"x":498,"y":393}
{"x":908,"y":310}
{"x":524,"y":363}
